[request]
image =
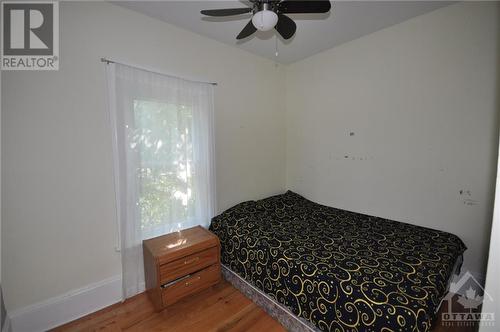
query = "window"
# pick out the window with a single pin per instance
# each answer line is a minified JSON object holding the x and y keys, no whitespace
{"x":163,"y":139}
{"x":163,"y":155}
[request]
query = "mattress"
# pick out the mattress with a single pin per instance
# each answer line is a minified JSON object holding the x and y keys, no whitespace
{"x":336,"y":269}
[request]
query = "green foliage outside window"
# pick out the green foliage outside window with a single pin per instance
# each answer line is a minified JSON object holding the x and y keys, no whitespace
{"x":162,"y":139}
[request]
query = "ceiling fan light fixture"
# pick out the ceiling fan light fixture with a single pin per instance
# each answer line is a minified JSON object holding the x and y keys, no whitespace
{"x":269,"y":14}
{"x":265,"y":20}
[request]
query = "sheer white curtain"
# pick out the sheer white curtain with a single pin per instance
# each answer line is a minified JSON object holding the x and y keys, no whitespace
{"x":163,"y":148}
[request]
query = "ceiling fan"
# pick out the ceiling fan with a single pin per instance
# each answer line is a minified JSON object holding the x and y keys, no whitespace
{"x":268,"y":14}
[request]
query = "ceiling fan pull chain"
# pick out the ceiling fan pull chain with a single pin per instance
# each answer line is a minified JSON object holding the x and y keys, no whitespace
{"x":276,"y":45}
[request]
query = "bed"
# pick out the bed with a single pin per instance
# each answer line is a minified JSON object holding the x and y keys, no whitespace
{"x":333,"y":269}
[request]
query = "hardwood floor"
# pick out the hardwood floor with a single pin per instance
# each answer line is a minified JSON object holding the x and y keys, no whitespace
{"x":219,"y":308}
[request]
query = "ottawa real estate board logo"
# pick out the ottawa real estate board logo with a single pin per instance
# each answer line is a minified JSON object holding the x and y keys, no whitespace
{"x":30,"y":35}
{"x":465,"y":310}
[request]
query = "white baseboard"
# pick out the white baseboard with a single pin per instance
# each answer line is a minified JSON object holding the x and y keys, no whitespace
{"x":64,"y":308}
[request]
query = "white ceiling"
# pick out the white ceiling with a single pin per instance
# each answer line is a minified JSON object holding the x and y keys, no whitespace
{"x":346,"y":21}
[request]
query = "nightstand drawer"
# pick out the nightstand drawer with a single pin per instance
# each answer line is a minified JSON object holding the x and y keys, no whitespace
{"x":189,"y":264}
{"x":196,"y":282}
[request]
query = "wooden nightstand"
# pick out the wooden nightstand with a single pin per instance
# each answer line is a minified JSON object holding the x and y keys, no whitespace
{"x":179,"y":264}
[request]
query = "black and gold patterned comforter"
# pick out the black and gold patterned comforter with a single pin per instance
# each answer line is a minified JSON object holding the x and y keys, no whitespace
{"x":337,"y":269}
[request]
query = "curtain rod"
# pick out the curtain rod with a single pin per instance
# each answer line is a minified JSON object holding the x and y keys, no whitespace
{"x":108,"y":61}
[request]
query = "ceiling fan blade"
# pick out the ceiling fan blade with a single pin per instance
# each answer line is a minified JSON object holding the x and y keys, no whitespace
{"x":247,"y":30}
{"x":300,"y":7}
{"x":286,"y":26}
{"x":226,"y":12}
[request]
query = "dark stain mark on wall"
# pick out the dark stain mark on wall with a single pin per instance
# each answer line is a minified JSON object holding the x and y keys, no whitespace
{"x":468,"y":200}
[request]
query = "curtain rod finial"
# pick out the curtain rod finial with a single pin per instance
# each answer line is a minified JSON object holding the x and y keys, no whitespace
{"x":106,"y":61}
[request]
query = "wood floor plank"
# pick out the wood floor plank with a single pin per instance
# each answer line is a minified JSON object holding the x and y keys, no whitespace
{"x":205,"y":309}
{"x":256,"y":320}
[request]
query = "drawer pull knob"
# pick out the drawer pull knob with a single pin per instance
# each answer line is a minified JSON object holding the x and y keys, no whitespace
{"x":192,"y":260}
{"x":189,"y":283}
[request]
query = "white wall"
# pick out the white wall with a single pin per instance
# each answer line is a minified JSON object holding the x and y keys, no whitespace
{"x":421,"y":98}
{"x":493,"y":271}
{"x":2,"y":308}
{"x":0,"y":177}
{"x":58,"y":211}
